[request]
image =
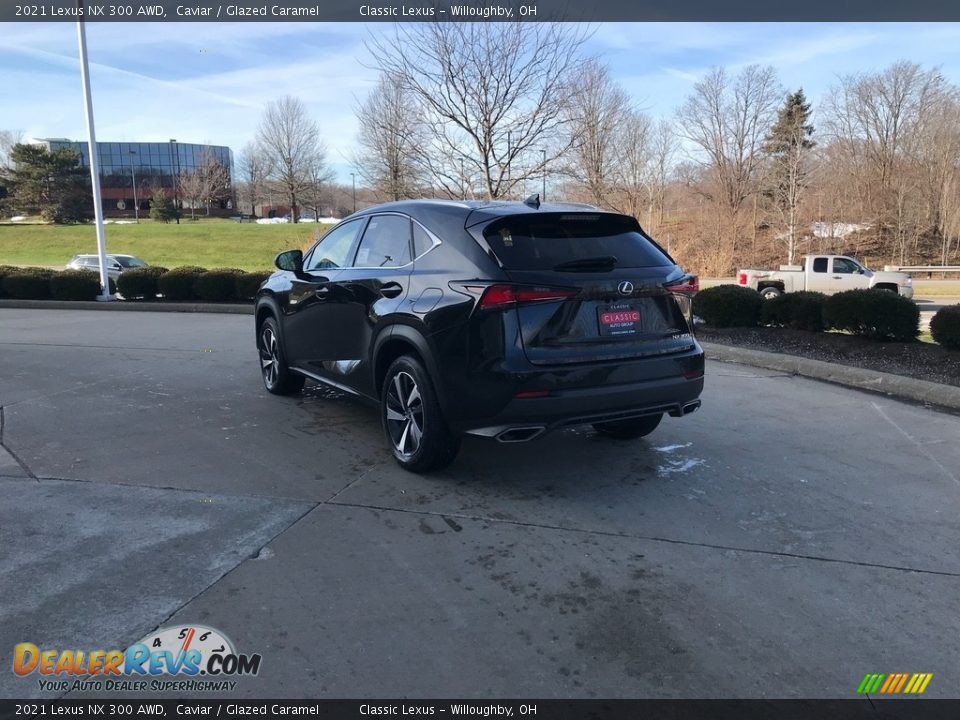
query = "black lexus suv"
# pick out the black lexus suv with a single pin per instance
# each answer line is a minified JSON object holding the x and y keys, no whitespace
{"x":500,"y":319}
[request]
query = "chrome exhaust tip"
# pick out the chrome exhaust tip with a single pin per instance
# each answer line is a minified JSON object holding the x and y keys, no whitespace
{"x":686,"y":409}
{"x":521,"y":434}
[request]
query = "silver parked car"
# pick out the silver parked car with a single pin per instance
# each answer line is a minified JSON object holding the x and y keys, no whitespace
{"x":116,"y":264}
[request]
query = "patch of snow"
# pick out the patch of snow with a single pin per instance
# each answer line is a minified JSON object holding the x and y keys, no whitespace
{"x":679,"y":466}
{"x":671,"y":448}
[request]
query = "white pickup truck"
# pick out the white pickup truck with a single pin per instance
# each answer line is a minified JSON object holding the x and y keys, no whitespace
{"x":824,"y":273}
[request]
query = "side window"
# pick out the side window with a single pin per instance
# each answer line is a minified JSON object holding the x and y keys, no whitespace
{"x":386,"y":242}
{"x":842,"y":265}
{"x":333,"y":250}
{"x":421,"y":241}
{"x":820,"y":265}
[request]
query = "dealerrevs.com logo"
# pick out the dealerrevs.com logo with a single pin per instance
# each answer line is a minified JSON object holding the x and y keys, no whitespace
{"x":180,"y":658}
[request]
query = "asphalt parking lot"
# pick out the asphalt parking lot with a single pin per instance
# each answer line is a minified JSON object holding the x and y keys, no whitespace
{"x":782,"y":542}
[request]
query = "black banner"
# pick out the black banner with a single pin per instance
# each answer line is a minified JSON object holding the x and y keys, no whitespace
{"x":475,"y":10}
{"x":864,"y":708}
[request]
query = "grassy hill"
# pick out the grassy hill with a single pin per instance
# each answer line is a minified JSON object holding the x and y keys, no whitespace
{"x":208,"y":243}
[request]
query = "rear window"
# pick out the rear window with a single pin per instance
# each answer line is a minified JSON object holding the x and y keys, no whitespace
{"x":541,"y":242}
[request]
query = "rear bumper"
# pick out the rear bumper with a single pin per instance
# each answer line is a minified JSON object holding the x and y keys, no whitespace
{"x":527,"y":418}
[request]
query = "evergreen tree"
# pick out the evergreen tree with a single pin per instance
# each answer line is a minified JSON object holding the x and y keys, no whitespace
{"x":161,"y":207}
{"x":788,"y":145}
{"x":52,"y":184}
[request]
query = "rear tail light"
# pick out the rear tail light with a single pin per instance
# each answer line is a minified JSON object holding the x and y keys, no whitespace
{"x":531,"y":394}
{"x":693,"y":374}
{"x":498,"y":296}
{"x":742,"y":279}
{"x":689,"y":285}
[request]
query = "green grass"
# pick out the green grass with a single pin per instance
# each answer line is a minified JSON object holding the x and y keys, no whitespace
{"x":208,"y":243}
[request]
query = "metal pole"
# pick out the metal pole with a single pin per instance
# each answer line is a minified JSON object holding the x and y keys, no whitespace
{"x":176,"y":179}
{"x":353,"y":177}
{"x":543,"y":193}
{"x":133,"y":177}
{"x":463,"y":182}
{"x":104,"y":295}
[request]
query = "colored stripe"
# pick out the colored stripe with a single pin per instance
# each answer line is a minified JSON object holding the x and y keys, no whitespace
{"x":913,"y":683}
{"x":891,"y":679}
{"x":926,"y":681}
{"x":865,"y":683}
{"x":876,"y":683}
{"x":903,"y":679}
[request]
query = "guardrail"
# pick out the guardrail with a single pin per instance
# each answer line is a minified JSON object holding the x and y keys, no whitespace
{"x":922,"y":268}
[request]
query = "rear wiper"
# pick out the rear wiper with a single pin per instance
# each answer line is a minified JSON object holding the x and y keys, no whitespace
{"x":600,"y":263}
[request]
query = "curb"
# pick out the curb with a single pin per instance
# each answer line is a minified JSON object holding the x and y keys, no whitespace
{"x":930,"y":393}
{"x":225,"y":308}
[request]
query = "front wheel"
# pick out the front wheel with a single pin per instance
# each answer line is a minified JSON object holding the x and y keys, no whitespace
{"x":769,"y":293}
{"x":412,"y":420}
{"x":630,"y":428}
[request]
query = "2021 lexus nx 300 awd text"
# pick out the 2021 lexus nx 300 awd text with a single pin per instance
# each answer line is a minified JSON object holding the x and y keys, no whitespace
{"x":500,"y":319}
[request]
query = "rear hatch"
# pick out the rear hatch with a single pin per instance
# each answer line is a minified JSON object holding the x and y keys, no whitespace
{"x":616,"y":305}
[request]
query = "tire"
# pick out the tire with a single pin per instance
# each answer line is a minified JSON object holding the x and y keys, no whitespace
{"x":277,"y":377}
{"x":770,"y":292}
{"x":629,"y":429}
{"x":413,"y":423}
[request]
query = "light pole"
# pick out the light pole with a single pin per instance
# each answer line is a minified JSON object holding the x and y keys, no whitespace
{"x":94,"y":157}
{"x":353,"y":178}
{"x":133,"y":179}
{"x":543,"y":192}
{"x":463,"y":182}
{"x":176,"y":177}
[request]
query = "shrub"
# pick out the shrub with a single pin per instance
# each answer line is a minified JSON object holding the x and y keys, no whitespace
{"x":799,"y":310}
{"x":219,"y":285}
{"x":28,"y":284}
{"x":75,"y":285}
{"x":178,"y":284}
{"x":4,"y":271}
{"x":945,"y":327}
{"x":878,"y":314}
{"x":249,"y":284}
{"x":141,"y":283}
{"x":728,"y":306}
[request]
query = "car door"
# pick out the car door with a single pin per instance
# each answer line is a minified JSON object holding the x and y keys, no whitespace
{"x":847,"y":275}
{"x":309,"y":324}
{"x":373,"y":288}
{"x":818,"y":277}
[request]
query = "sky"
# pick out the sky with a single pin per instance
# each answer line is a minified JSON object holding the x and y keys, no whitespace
{"x":209,"y":82}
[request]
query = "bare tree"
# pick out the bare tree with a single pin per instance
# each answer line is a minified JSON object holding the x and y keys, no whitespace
{"x":598,"y":111}
{"x":630,"y":168}
{"x":290,"y":140}
{"x":253,"y":173}
{"x":193,"y":189}
{"x":663,"y":146}
{"x":491,"y":94}
{"x":878,"y":122}
{"x":392,"y":140}
{"x":316,"y":190}
{"x":727,"y":119}
{"x":8,"y":138}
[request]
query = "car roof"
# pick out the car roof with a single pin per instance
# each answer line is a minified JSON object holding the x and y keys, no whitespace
{"x":488,"y":208}
{"x":108,"y":255}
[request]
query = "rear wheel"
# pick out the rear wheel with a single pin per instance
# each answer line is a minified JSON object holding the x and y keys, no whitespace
{"x":412,"y":421}
{"x":769,"y":293}
{"x":629,"y":429}
{"x":277,"y":377}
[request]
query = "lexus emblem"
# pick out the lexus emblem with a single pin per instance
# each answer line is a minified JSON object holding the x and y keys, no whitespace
{"x":625,"y":288}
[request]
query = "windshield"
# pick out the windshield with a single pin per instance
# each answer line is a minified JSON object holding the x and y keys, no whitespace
{"x":130,"y":262}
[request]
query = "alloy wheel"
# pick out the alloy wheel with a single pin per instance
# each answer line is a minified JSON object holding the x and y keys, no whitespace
{"x":269,"y":357}
{"x":404,"y":414}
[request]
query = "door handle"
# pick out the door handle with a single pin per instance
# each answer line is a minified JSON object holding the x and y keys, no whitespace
{"x":838,"y":277}
{"x":391,"y":289}
{"x":322,"y":292}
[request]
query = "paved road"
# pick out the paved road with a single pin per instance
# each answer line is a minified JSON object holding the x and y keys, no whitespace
{"x":784,"y":541}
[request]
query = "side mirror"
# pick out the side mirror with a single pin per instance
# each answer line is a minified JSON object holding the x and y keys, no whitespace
{"x":291,"y":261}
